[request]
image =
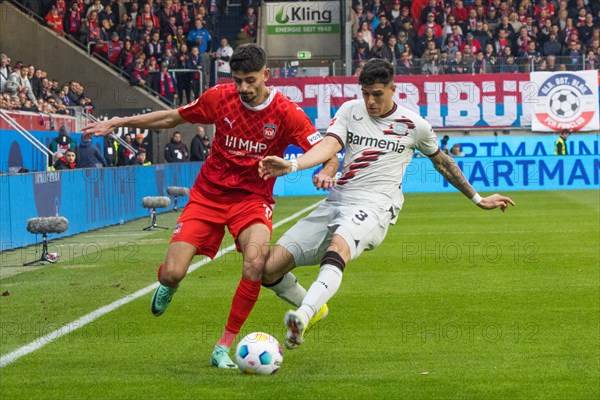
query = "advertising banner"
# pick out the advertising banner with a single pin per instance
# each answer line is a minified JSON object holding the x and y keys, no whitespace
{"x":565,"y":100}
{"x":452,"y":101}
{"x":302,"y":30}
{"x":466,"y":101}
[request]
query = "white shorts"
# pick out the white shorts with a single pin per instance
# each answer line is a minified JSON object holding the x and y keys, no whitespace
{"x":362,"y":227}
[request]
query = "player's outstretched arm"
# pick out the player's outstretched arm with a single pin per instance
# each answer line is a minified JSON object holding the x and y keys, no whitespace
{"x":155,"y":120}
{"x":325,"y":179}
{"x":448,"y":168}
{"x":325,"y":150}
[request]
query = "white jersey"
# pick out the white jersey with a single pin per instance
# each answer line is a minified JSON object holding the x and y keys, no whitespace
{"x":223,"y":65}
{"x":378,"y":151}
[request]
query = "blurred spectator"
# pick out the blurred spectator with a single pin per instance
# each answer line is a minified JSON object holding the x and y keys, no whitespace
{"x":456,"y":151}
{"x":78,"y":97}
{"x":55,"y":21}
{"x":199,"y":36}
{"x":126,"y":58}
{"x":250,"y":16}
{"x":552,"y":46}
{"x":509,"y":66}
{"x":367,"y":35}
{"x":124,"y":155}
{"x":450,"y":47}
{"x":551,"y":65}
{"x":391,"y":52}
{"x":432,"y":65}
{"x":444,"y":144}
{"x":183,"y":78}
{"x":74,"y":20}
{"x":384,"y":29}
{"x":62,"y":142}
{"x":95,"y":7}
{"x":195,"y":62}
{"x":111,"y":148}
{"x":4,"y":70}
{"x":66,"y":160}
{"x":141,"y":159}
{"x":591,"y":60}
{"x":147,"y":16}
{"x":560,"y":147}
{"x":142,"y":142}
{"x":167,"y":83}
{"x":153,"y":69}
{"x":431,"y":24}
{"x":128,"y":30}
{"x":222,"y":56}
{"x":23,"y":85}
{"x":198,"y":151}
{"x":405,"y":67}
{"x":139,"y":75}
{"x":111,"y":49}
{"x":107,"y":14}
{"x":175,"y":150}
{"x":456,"y":65}
{"x":250,"y":30}
{"x":377,"y":49}
{"x":93,"y":28}
{"x":490,"y":57}
{"x":155,"y":47}
{"x":89,"y":155}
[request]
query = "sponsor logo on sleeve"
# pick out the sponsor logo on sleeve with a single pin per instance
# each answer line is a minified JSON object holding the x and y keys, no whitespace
{"x":314,"y":138}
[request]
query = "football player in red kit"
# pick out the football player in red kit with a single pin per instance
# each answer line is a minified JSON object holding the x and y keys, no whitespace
{"x":252,"y":121}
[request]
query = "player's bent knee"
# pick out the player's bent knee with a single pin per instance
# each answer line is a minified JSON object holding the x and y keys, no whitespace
{"x":170,"y":275}
{"x":271,"y":279}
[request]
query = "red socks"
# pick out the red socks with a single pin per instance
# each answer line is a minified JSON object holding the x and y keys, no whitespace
{"x":243,"y":301}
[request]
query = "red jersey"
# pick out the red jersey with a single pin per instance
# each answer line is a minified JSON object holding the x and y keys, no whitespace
{"x":244,"y":135}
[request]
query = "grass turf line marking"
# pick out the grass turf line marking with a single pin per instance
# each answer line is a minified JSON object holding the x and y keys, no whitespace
{"x":94,"y":315}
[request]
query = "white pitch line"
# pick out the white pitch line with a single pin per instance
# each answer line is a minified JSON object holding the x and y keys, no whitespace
{"x":94,"y":315}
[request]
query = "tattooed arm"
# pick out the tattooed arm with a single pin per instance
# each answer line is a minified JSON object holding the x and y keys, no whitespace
{"x":446,"y":166}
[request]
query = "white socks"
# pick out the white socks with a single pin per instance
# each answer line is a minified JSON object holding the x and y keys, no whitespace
{"x":327,"y":284}
{"x":289,"y":290}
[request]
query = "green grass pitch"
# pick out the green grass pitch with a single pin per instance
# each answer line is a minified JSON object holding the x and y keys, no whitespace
{"x":456,"y":303}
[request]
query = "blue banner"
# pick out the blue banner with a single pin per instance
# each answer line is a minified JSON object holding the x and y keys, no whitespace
{"x":17,"y":152}
{"x":488,"y":174}
{"x":88,"y":198}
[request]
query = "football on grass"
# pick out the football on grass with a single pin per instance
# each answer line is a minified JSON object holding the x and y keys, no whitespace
{"x":259,"y":354}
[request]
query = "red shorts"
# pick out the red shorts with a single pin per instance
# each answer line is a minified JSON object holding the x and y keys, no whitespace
{"x":202,"y":222}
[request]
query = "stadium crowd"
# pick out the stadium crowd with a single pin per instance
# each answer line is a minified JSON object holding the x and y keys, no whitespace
{"x":147,"y":39}
{"x":27,"y":88}
{"x":477,"y":36}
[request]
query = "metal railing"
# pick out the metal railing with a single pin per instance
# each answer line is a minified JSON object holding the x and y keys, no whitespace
{"x":120,"y":140}
{"x":422,"y":66}
{"x":28,"y":136}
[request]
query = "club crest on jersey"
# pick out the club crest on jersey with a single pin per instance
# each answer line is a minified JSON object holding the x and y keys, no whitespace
{"x":177,"y":229}
{"x":269,"y":131}
{"x":397,"y":128}
{"x":400,"y":127}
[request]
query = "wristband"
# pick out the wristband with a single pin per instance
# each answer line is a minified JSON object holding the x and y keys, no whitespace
{"x":476,"y":199}
{"x":294,"y":163}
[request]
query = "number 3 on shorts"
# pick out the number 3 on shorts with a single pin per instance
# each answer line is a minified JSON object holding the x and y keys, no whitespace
{"x":361,"y":216}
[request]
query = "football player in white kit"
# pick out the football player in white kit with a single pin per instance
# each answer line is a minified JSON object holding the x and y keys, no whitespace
{"x":380,"y":138}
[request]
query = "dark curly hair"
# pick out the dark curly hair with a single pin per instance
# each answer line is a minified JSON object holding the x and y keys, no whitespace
{"x":375,"y":71}
{"x":248,"y":57}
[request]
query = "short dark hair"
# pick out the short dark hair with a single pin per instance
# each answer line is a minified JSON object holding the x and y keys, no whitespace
{"x":375,"y":71}
{"x":248,"y":57}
